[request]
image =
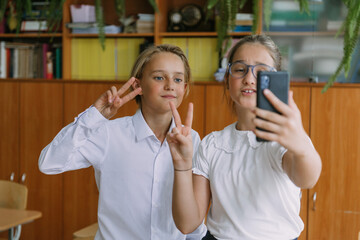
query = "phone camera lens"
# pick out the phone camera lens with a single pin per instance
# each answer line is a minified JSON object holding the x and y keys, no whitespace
{"x":265,"y":82}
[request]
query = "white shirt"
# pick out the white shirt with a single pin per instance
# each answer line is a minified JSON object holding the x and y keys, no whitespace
{"x":133,"y":171}
{"x":252,"y":197}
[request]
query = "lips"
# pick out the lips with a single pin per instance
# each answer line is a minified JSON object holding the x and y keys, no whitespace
{"x":168,"y":96}
{"x":248,"y":91}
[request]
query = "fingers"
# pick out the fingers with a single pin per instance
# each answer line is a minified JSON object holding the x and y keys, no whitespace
{"x":189,"y":116}
{"x":111,"y":94}
{"x":176,"y":115}
{"x":276,"y":102}
{"x":130,"y":96}
{"x":126,"y":86}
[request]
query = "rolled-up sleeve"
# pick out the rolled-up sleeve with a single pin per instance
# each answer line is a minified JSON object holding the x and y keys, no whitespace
{"x":80,"y":144}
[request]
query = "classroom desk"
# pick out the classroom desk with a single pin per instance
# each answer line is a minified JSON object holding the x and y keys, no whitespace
{"x":10,"y":218}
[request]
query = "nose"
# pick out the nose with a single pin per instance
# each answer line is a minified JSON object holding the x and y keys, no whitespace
{"x":249,"y":78}
{"x":169,"y":84}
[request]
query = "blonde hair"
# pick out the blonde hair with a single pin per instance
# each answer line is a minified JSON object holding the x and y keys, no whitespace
{"x":263,"y":40}
{"x":147,"y":54}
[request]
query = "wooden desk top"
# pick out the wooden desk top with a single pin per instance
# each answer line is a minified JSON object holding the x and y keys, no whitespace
{"x":12,"y":217}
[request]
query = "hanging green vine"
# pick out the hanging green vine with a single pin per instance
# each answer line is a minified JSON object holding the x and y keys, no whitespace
{"x":350,"y":27}
{"x":351,"y":30}
{"x":54,"y":15}
{"x":100,"y":22}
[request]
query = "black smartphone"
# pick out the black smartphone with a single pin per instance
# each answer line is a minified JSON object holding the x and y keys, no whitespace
{"x":276,"y":82}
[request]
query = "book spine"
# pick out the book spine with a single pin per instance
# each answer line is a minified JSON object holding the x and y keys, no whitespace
{"x":45,"y":48}
{"x":2,"y":59}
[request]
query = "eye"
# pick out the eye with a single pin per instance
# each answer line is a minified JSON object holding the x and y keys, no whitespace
{"x":158,"y":78}
{"x":178,"y":80}
{"x":239,"y":69}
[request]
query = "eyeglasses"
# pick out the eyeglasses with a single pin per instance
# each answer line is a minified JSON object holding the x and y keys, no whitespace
{"x":239,"y":69}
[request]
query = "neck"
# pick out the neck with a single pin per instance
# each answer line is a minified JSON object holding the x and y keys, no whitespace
{"x":245,"y":119}
{"x":158,"y":123}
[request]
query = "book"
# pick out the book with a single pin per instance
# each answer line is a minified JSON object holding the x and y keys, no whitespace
{"x":33,"y":26}
{"x":58,"y":62}
{"x":82,"y":13}
{"x":49,"y":65}
{"x":45,"y":48}
{"x":2,"y":60}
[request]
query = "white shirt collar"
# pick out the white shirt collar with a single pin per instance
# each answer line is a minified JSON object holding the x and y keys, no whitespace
{"x":142,"y":129}
{"x":232,"y":139}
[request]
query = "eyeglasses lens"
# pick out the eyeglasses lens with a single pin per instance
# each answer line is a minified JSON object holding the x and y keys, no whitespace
{"x":239,"y":70}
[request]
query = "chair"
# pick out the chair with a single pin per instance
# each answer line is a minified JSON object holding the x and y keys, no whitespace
{"x":13,"y":195}
{"x":86,"y":233}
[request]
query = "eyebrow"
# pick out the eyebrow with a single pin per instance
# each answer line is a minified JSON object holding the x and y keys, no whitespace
{"x":162,"y":71}
{"x":242,"y":61}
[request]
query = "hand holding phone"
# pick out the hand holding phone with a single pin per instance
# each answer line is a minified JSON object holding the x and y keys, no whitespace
{"x":276,"y":82}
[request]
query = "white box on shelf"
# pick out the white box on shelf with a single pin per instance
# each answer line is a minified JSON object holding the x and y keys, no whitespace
{"x":82,"y":13}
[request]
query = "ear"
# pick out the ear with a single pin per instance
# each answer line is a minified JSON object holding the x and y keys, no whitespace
{"x":136,"y":84}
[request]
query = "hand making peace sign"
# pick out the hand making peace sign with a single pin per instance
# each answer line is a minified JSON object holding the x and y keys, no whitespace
{"x":180,"y":140}
{"x":110,"y":101}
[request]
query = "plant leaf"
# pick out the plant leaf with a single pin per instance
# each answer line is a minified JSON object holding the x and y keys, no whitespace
{"x":211,"y":3}
{"x":351,"y":37}
{"x":100,"y":22}
{"x":267,"y":12}
{"x":154,"y":5}
{"x":256,"y":16}
{"x":3,"y":5}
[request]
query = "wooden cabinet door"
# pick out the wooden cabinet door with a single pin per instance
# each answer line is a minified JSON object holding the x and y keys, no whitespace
{"x":9,"y":129}
{"x":218,"y":113}
{"x":9,"y":133}
{"x":80,"y":190}
{"x":335,"y":131}
{"x":41,"y":106}
{"x":302,"y":100}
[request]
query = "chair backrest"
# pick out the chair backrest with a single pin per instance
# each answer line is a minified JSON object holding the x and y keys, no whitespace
{"x":13,"y":195}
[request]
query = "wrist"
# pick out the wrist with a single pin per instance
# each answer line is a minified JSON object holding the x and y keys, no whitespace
{"x":182,"y":169}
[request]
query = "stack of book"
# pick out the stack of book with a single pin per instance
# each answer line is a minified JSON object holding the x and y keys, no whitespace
{"x":145,"y":23}
{"x":35,"y":20}
{"x":243,"y":22}
{"x":30,"y":60}
{"x":91,"y":27}
{"x":286,"y":16}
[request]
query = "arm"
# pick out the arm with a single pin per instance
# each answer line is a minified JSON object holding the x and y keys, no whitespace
{"x":191,"y":193}
{"x":80,"y":141}
{"x":301,"y":162}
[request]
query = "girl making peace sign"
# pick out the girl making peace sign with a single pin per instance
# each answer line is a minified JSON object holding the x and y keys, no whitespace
{"x":253,"y":187}
{"x":130,"y":155}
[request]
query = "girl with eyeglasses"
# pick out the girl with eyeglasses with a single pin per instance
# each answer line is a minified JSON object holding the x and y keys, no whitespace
{"x":253,"y":188}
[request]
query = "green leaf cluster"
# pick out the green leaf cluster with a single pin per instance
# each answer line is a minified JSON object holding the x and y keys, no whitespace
{"x":227,"y":9}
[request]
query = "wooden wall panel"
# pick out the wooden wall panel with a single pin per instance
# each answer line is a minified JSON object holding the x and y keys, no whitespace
{"x":335,"y":131}
{"x":9,"y":129}
{"x":41,"y":108}
{"x":217,"y":111}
